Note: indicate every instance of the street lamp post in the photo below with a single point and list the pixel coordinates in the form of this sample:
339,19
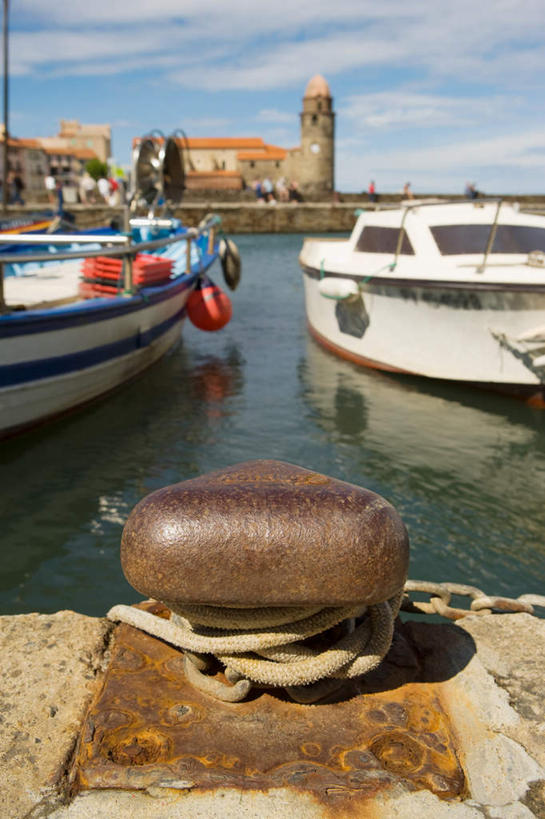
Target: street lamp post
6,99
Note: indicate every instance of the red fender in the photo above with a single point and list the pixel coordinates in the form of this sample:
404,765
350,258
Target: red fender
208,307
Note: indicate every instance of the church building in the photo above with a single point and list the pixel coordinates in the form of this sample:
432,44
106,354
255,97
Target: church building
232,163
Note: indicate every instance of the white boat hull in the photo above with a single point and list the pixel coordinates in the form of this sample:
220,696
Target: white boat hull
443,290
77,354
460,334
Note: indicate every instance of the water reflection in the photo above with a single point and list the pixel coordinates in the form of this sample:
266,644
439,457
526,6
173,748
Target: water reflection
465,469
68,488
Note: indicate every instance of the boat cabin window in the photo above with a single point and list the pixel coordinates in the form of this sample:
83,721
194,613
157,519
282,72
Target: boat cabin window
456,239
375,239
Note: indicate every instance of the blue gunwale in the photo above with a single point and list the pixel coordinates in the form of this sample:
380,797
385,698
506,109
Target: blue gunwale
94,310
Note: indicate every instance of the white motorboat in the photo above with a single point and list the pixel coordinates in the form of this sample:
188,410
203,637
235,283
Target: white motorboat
446,290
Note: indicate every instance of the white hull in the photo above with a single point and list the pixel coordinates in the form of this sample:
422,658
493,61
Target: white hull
85,360
416,330
461,316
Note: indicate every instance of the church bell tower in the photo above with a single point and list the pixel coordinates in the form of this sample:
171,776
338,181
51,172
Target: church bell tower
317,171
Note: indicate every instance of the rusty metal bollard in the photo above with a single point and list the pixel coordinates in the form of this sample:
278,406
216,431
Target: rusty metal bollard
257,558
270,577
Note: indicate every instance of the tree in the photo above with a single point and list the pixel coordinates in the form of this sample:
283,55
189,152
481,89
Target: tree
96,169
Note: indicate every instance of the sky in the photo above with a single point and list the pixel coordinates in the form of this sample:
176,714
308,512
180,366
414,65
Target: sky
431,92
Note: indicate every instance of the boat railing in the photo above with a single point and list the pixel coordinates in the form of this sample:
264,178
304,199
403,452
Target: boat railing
411,204
112,245
490,241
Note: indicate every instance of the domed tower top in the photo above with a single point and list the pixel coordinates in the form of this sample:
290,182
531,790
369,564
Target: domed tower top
316,165
317,87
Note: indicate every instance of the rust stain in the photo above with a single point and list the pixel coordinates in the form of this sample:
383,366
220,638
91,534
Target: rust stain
149,727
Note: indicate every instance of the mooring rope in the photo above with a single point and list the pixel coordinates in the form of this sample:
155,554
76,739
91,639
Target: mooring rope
265,646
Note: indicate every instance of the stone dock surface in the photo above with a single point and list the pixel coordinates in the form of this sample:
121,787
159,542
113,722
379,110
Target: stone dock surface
488,670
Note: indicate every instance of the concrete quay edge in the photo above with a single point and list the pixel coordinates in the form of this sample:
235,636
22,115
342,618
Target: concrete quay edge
53,664
245,216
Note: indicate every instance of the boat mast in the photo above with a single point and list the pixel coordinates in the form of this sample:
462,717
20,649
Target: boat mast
6,99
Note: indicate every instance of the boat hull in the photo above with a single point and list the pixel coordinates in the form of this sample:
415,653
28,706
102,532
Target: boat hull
460,333
56,360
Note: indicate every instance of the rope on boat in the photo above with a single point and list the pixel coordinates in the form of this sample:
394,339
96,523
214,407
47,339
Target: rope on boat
266,647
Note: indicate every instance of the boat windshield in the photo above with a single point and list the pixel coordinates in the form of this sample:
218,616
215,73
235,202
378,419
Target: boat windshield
459,239
375,239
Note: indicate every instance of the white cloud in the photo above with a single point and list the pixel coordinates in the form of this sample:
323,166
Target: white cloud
230,15
406,108
273,115
467,69
206,123
517,157
263,45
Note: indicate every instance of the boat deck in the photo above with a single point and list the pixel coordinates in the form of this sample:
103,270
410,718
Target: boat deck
46,287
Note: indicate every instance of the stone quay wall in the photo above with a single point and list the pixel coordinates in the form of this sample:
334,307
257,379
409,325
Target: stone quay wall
249,217
485,671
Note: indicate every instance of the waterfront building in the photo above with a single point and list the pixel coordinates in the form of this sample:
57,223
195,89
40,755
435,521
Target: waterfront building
315,160
74,136
63,156
233,163
28,161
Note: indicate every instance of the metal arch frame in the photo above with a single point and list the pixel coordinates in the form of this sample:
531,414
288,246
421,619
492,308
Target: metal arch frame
158,138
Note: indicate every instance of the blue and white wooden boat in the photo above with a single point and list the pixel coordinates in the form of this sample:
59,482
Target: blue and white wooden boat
62,346
62,351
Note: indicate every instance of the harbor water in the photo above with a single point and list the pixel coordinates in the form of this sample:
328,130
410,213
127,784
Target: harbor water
465,469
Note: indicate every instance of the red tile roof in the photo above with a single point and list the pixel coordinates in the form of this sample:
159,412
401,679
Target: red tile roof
225,142
196,174
83,153
267,152
208,143
78,153
29,143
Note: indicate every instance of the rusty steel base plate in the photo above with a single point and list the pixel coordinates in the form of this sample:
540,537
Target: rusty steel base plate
149,728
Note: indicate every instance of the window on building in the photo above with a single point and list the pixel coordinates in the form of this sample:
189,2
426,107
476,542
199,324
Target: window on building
319,105
375,239
223,165
457,239
252,164
314,119
277,164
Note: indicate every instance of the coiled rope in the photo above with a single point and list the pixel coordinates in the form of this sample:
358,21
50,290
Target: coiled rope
265,646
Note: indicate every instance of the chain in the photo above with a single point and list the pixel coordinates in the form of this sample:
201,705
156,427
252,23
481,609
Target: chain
481,603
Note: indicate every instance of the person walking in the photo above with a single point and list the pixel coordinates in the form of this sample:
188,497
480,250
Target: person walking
87,187
104,188
16,190
50,186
